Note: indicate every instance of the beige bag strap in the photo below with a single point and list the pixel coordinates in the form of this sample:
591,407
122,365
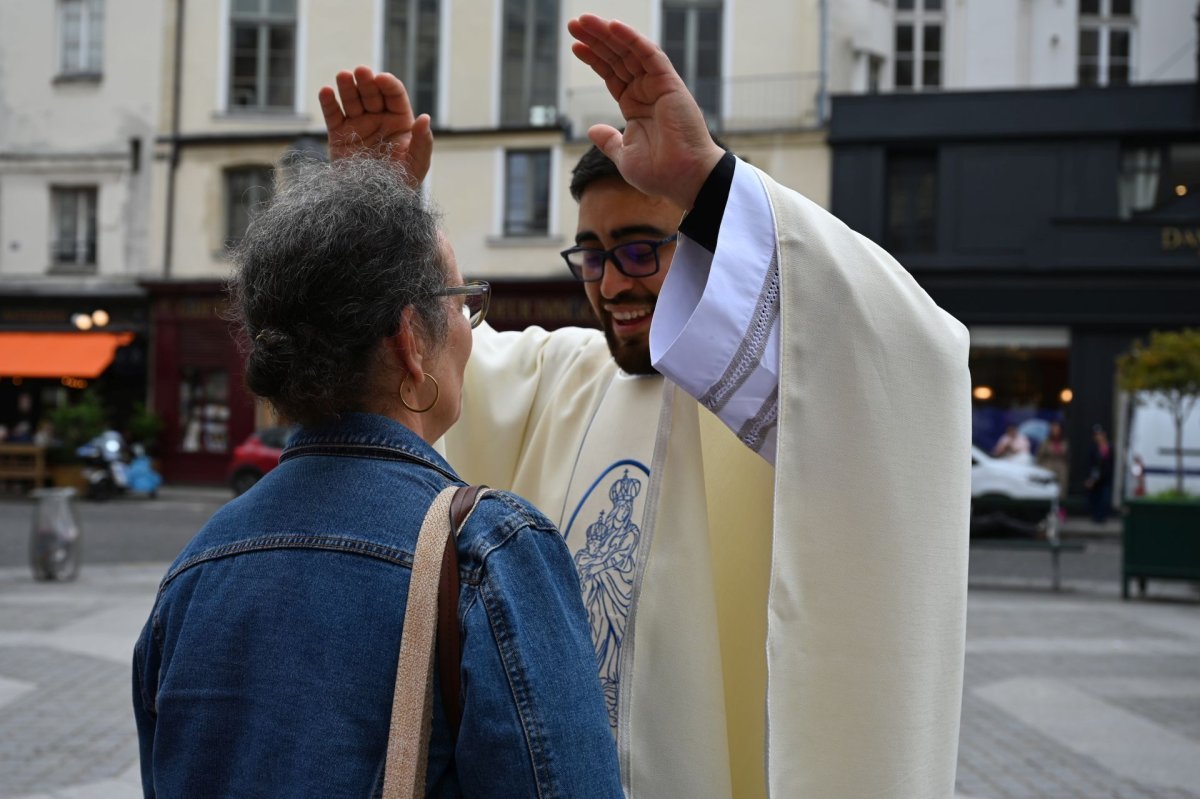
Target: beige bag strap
412,703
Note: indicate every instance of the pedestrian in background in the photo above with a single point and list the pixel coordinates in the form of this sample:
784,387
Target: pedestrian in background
1013,445
1054,454
1100,475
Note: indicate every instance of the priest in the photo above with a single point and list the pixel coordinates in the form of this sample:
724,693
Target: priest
759,464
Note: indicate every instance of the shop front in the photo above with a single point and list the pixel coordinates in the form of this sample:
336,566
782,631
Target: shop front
198,388
58,345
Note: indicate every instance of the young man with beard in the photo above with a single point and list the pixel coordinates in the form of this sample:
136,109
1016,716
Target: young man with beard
771,547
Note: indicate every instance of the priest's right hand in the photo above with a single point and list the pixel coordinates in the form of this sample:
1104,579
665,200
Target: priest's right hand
375,115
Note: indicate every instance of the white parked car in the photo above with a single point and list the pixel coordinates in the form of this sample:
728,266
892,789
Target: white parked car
1002,478
1012,497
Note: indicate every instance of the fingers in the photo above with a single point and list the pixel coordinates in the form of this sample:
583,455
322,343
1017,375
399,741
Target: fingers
600,45
420,148
627,52
348,89
368,90
330,108
637,49
394,97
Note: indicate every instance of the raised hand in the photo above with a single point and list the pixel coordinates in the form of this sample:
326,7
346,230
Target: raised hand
666,149
375,115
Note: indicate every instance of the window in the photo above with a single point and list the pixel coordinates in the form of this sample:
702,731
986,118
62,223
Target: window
74,225
529,63
1105,42
1138,186
81,37
1154,175
411,49
204,410
911,202
691,38
918,44
262,73
247,189
527,193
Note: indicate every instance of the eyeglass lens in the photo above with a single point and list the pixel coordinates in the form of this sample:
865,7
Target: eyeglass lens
474,306
635,259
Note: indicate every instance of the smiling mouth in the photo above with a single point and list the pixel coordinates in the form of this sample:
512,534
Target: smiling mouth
629,320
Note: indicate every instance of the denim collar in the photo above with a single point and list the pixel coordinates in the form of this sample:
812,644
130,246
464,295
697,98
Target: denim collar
366,434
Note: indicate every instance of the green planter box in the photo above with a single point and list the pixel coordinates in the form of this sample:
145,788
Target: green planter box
1161,541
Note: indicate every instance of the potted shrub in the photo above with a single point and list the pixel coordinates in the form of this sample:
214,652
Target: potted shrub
1162,532
144,428
75,424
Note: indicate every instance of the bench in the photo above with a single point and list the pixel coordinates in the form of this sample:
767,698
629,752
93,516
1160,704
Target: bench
1055,546
25,463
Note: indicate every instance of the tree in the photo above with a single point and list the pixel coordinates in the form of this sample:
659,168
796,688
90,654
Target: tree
1168,367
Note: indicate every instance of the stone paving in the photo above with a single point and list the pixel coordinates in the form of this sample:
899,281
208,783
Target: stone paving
1075,694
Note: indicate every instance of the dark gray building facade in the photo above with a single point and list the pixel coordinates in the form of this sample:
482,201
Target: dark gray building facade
1059,225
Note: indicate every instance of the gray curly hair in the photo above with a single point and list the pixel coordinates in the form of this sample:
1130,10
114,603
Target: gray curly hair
323,275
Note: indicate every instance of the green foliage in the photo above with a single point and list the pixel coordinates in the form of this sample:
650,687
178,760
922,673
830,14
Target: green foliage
144,426
1173,496
1168,367
78,423
1169,363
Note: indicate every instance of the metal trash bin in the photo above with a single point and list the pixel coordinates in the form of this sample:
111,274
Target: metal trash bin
54,541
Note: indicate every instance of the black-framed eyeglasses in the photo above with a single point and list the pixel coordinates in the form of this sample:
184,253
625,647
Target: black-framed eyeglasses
632,259
476,294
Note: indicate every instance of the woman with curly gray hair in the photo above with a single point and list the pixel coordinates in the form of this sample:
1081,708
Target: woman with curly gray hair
268,664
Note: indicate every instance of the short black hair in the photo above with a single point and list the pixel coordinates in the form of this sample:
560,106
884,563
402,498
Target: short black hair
595,165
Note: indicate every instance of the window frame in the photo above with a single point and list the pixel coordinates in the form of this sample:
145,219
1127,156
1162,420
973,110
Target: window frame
263,23
1105,24
518,114
91,39
86,239
691,46
902,242
405,65
232,204
919,18
509,227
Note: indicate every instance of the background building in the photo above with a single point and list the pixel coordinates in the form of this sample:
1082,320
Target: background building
510,108
1021,158
1035,166
78,111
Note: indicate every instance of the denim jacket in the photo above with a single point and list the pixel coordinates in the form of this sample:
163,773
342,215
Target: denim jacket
268,663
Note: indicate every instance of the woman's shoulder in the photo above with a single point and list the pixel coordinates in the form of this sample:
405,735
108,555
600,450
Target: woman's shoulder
497,520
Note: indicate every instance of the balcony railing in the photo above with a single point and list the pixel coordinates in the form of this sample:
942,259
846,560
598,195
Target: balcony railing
731,105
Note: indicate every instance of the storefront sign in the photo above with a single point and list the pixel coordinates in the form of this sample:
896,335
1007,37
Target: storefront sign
1180,238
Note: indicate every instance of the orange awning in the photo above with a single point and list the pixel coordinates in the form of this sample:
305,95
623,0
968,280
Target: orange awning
58,354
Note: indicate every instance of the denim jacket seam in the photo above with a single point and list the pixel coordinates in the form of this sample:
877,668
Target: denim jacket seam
516,520
520,692
274,541
383,451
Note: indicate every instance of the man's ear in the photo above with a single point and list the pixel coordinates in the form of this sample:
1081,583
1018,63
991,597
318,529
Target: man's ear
405,345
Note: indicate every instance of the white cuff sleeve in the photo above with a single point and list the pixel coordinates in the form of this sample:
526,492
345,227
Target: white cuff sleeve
716,325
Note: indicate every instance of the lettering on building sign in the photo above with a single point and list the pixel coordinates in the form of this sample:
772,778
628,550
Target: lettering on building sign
1179,238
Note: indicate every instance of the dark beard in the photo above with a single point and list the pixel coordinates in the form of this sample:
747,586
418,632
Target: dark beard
632,357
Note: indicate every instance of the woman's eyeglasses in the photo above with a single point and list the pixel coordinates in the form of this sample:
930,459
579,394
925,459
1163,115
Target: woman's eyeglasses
476,296
632,259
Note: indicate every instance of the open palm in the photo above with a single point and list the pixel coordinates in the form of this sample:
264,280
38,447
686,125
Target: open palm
666,149
376,115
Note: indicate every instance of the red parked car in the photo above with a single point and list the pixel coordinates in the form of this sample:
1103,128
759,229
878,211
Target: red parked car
256,456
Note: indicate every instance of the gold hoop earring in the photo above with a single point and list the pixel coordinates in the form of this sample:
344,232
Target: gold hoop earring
437,391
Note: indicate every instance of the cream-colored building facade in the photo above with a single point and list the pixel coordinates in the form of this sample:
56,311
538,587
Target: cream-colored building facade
78,114
501,169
